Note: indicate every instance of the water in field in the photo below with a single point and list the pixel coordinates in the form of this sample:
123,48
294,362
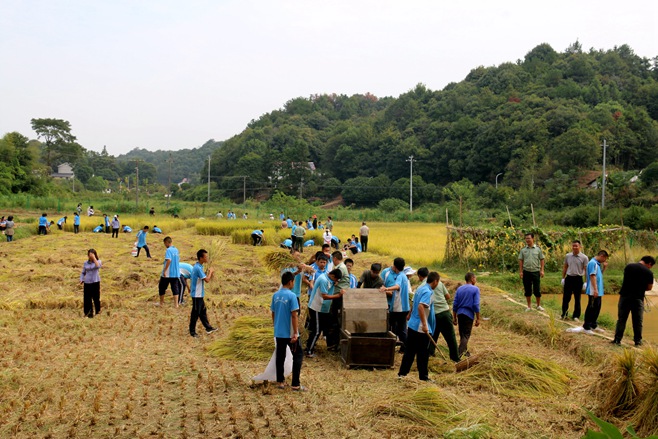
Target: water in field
609,305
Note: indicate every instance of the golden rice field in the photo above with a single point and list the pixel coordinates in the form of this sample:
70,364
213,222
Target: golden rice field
134,372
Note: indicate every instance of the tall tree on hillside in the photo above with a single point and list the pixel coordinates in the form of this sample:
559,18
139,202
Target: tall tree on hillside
57,138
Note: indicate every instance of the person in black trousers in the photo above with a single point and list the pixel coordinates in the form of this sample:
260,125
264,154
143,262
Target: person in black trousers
638,279
573,270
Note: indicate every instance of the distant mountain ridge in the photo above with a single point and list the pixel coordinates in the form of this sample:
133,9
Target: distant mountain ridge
185,163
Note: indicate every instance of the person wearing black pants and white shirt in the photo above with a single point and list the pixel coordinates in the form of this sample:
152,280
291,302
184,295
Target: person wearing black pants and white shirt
575,264
638,279
364,231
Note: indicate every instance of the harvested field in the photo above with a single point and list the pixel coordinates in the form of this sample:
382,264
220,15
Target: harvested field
134,372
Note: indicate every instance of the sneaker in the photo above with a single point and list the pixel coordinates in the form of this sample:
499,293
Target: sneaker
576,329
588,332
576,319
210,330
429,381
195,335
528,309
638,343
616,342
402,377
299,389
310,355
540,308
600,330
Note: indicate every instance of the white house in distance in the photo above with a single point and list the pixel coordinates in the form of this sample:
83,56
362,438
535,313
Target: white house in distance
64,171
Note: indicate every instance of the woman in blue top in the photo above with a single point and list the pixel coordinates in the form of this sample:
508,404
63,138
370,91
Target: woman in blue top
91,279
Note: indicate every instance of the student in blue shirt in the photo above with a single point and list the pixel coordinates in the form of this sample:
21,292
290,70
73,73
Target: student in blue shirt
285,310
197,291
170,272
319,307
420,329
290,223
157,229
185,275
141,242
595,268
297,273
282,216
257,237
309,243
396,287
466,310
76,222
61,221
287,243
44,227
106,219
98,229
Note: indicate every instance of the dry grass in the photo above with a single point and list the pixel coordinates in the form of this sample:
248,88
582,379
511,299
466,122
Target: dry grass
645,416
618,390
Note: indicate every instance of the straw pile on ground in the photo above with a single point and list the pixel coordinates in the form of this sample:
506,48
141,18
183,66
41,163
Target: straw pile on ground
427,406
517,375
618,389
249,339
645,416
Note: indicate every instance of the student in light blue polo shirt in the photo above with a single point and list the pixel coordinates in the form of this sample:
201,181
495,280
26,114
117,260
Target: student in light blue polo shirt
287,243
595,268
141,242
43,224
257,237
285,313
98,229
106,219
319,306
466,311
185,275
61,222
76,222
420,329
170,272
397,290
197,291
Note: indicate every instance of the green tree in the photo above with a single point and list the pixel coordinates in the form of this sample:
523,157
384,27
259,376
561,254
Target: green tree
57,138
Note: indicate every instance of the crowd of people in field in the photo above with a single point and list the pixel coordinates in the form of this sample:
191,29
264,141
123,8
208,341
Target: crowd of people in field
417,318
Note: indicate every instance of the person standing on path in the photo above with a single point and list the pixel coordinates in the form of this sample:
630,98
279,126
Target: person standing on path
91,279
638,279
466,311
531,270
106,220
396,287
364,231
170,272
595,268
575,264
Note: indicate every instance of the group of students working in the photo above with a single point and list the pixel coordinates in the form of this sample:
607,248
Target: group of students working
416,324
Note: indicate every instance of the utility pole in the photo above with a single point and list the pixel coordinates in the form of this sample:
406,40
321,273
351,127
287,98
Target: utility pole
208,178
411,161
169,185
498,175
137,186
605,146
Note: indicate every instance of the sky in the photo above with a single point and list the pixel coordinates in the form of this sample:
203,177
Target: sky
168,74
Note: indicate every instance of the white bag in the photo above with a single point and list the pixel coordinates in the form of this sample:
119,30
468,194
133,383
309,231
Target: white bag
270,371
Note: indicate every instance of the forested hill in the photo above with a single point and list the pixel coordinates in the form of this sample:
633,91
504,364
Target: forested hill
545,114
185,163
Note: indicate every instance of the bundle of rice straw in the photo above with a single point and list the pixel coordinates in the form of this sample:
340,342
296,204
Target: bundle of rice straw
645,417
250,338
280,259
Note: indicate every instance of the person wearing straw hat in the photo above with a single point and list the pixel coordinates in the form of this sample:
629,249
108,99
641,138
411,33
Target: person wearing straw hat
419,330
638,279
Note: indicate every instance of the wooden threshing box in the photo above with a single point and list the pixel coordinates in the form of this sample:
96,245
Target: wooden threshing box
364,339
364,310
